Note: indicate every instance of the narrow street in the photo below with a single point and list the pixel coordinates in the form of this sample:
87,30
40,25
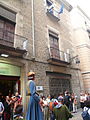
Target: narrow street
44,58
77,116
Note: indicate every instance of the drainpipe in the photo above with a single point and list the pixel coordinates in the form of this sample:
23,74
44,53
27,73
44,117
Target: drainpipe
33,31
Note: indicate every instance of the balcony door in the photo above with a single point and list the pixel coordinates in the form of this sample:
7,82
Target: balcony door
7,32
54,46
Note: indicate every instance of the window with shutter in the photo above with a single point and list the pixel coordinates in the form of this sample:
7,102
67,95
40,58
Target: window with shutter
7,32
1,29
54,45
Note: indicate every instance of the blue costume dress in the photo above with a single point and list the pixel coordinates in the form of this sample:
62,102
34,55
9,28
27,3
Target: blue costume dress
34,110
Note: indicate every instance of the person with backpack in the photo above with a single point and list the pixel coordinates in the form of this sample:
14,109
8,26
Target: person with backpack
86,111
53,102
67,99
61,112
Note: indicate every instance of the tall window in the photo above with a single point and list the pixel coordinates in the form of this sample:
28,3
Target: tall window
7,32
54,45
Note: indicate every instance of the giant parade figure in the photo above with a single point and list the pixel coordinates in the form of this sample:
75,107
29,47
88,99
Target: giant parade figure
34,111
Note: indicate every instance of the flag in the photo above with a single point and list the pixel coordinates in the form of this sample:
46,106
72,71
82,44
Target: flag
61,9
51,10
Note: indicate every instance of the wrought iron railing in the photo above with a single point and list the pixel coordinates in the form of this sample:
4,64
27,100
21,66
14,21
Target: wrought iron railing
13,40
59,55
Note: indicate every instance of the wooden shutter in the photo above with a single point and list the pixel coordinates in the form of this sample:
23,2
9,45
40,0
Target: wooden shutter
7,13
1,29
54,46
9,32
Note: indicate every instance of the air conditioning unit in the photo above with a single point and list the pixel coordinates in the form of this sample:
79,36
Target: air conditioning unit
39,88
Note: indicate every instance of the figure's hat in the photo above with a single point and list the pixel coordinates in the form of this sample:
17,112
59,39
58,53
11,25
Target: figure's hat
31,73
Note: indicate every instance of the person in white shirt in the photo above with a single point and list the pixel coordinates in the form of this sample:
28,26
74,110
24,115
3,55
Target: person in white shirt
86,110
82,100
1,109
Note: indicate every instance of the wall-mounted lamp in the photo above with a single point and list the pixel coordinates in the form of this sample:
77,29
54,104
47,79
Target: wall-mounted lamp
77,61
4,55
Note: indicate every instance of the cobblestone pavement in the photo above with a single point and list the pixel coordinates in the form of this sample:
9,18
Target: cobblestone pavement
77,116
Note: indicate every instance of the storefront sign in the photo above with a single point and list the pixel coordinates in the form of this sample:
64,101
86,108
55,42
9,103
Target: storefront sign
10,70
39,88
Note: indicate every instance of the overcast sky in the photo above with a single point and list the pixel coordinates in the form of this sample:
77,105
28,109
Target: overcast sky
84,4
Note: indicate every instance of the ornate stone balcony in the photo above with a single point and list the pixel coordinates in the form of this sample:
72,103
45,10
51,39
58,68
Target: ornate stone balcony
12,44
58,57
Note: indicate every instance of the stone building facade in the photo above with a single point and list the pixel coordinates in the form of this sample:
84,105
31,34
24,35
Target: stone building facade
37,37
81,32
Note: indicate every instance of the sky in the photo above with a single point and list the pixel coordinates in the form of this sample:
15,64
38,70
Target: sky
84,4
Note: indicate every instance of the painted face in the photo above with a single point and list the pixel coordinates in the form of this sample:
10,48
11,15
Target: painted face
31,77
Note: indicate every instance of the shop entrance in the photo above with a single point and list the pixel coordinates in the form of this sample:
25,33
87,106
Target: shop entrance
9,85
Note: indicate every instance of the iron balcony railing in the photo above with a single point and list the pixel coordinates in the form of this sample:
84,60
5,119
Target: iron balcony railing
59,55
12,40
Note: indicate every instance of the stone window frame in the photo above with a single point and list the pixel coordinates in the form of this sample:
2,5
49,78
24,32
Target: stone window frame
10,8
8,17
49,28
7,6
14,10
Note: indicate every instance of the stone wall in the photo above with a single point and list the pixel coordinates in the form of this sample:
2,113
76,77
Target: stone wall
42,23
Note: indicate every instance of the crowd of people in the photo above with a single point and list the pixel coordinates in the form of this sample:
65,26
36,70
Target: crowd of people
83,98
53,108
60,107
10,106
51,104
41,107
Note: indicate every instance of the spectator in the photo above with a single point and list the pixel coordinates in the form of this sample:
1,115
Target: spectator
1,109
17,100
48,99
71,102
75,104
7,108
61,112
52,103
45,108
86,111
67,99
82,99
88,97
